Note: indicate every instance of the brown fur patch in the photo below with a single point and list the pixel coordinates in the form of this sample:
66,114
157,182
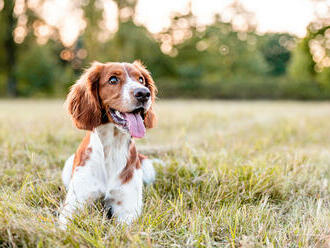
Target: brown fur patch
82,153
115,131
82,101
142,157
132,163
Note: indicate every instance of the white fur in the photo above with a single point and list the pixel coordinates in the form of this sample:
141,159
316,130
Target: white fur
67,170
159,161
149,173
129,196
100,177
129,86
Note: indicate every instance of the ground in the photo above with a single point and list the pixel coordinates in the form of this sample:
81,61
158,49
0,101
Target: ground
236,174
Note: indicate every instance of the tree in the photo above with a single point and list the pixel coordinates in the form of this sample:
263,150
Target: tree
312,55
130,42
275,50
9,21
15,38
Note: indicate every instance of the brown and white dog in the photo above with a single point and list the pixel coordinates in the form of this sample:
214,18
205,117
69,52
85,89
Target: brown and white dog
113,101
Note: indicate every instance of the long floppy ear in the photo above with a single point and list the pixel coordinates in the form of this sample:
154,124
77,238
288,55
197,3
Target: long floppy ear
83,99
150,119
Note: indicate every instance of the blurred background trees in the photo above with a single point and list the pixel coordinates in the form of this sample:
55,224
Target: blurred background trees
218,60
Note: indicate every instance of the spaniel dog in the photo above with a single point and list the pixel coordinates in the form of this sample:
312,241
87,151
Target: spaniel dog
114,103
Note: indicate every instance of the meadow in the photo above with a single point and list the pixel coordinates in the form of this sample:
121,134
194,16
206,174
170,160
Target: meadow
234,174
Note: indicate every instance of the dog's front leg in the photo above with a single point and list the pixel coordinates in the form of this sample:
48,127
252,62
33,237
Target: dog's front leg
82,189
125,201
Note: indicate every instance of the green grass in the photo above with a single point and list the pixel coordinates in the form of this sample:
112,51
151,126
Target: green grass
238,174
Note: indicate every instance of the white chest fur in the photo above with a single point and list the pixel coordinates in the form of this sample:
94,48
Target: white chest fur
114,147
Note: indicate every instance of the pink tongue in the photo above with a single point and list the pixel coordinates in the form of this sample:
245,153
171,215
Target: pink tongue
135,125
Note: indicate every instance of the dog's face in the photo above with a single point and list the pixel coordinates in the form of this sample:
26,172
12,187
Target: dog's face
121,93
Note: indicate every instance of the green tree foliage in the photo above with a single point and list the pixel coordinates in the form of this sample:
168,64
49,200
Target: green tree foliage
276,53
8,23
302,64
311,60
40,73
90,42
218,60
213,61
27,68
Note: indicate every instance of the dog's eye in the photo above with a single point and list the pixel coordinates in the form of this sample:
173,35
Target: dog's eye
141,80
113,80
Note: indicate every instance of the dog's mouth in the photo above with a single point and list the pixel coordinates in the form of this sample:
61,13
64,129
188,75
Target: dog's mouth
132,121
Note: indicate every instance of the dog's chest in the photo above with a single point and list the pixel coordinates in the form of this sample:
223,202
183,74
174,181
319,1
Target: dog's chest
115,149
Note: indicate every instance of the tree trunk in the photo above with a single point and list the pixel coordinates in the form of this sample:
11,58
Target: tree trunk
11,47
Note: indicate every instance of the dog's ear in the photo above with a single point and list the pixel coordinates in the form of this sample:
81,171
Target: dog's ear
83,99
150,119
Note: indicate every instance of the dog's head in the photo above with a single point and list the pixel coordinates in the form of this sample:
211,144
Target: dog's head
121,93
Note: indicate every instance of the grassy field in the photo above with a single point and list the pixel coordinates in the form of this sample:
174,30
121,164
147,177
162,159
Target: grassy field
237,174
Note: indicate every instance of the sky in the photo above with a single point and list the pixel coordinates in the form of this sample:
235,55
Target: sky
271,15
291,16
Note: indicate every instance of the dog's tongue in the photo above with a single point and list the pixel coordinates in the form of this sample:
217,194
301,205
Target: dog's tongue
135,125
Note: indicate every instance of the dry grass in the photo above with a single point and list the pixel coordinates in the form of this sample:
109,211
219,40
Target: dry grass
238,174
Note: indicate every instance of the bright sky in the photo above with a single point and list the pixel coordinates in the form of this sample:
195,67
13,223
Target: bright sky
271,15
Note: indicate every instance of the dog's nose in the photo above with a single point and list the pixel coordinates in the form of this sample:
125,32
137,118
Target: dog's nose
142,94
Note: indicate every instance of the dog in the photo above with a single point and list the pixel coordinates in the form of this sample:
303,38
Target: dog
114,103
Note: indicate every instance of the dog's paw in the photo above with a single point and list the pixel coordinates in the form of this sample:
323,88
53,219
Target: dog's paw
126,218
62,222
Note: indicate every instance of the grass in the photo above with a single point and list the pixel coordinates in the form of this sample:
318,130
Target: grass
237,174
